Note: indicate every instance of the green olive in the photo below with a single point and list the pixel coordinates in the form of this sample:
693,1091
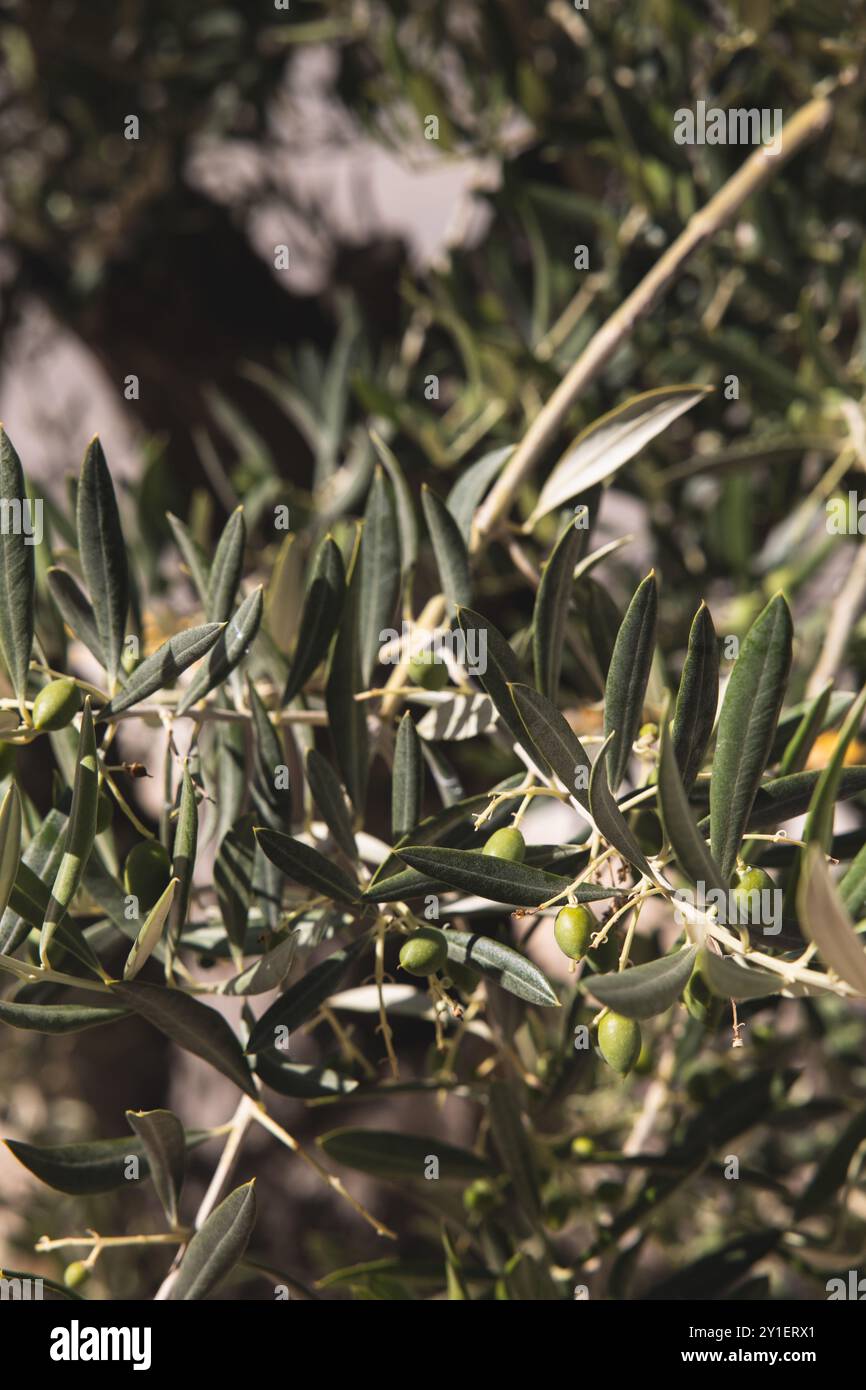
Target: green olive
147,872
583,1146
56,705
425,952
76,1274
480,1197
745,908
428,671
619,1042
506,843
462,977
572,929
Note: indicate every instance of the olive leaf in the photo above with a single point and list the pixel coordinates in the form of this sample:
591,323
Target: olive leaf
233,878
513,1146
10,843
192,1025
648,989
457,717
552,735
80,833
407,784
303,998
609,818
502,965
467,493
57,1018
268,972
161,669
323,603
782,798
380,571
306,865
194,557
103,555
449,548
347,717
500,880
627,678
301,1081
550,613
183,857
228,651
819,820
30,894
407,525
832,1171
217,1246
17,574
730,979
75,610
150,933
697,697
83,1169
747,725
688,843
387,1154
226,568
609,442
330,798
497,669
801,742
826,923
164,1141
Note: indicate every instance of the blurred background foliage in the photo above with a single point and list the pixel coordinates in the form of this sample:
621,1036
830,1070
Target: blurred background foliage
157,254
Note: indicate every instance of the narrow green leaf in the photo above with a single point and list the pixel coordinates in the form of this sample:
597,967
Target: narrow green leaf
802,740
194,557
183,857
730,980
457,717
609,442
217,1247
150,933
226,569
161,669
10,843
304,998
164,1140
782,798
103,554
84,1169
832,1170
17,573
609,818
407,782
645,990
551,733
330,798
269,756
497,668
466,495
380,571
628,676
191,1024
697,697
824,920
228,650
852,888
449,548
406,522
233,879
269,972
819,821
306,865
552,602
711,1276
502,965
56,1018
747,725
347,716
499,880
80,832
388,1154
513,1146
323,604
680,829
301,1081
31,894
75,610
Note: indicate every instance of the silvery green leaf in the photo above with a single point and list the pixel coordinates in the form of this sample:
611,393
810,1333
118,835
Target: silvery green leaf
161,669
645,990
75,610
323,604
550,613
627,678
697,697
192,1025
103,554
502,965
467,493
228,651
150,933
164,1140
407,782
194,556
217,1247
380,571
457,717
226,568
17,572
605,445
449,548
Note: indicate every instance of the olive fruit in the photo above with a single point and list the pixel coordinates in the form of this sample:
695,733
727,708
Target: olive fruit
146,872
582,1146
428,671
745,907
425,952
462,977
480,1197
573,929
506,843
619,1042
56,705
76,1274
